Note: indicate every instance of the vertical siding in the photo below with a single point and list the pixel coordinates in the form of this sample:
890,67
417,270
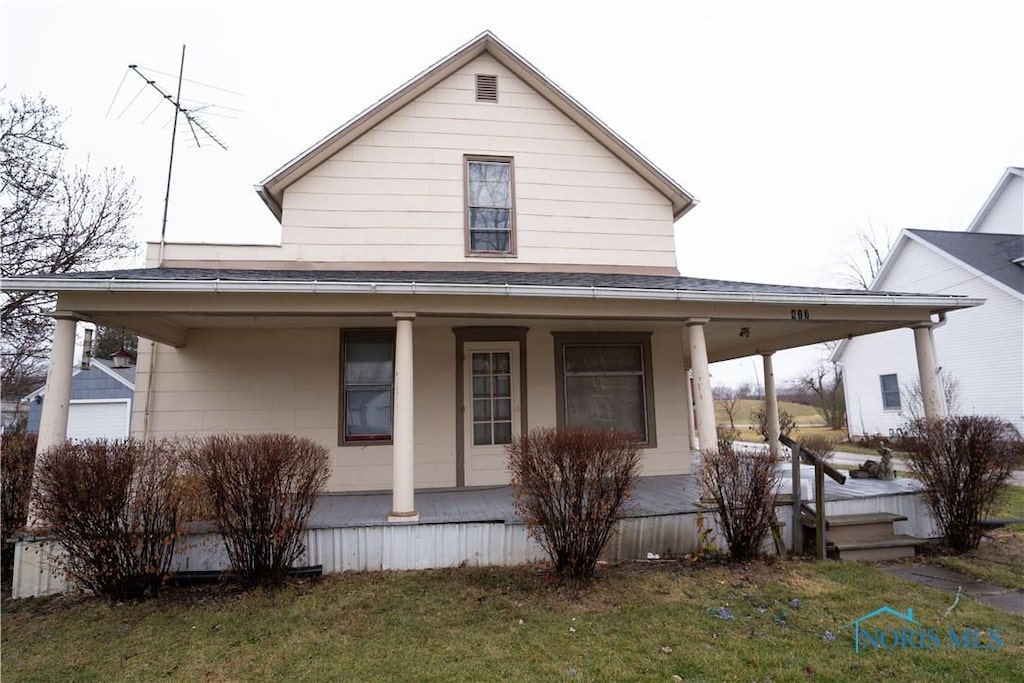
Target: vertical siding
396,194
982,347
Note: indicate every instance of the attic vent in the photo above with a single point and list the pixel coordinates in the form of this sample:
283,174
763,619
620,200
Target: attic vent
486,88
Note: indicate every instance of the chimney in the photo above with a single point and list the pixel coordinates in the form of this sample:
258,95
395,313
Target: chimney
87,349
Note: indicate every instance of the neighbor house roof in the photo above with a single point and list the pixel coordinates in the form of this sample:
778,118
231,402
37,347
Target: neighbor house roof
998,257
587,285
125,376
271,190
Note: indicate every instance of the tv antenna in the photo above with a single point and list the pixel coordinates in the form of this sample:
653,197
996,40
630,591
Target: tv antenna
199,129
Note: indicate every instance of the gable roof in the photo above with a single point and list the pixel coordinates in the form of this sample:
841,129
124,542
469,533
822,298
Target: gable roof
993,256
125,376
271,190
996,258
1008,175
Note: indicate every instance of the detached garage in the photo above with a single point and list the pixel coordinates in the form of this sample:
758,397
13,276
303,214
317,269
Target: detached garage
101,402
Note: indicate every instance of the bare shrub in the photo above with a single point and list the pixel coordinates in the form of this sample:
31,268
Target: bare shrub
964,461
112,506
569,487
18,459
759,419
263,487
742,487
822,446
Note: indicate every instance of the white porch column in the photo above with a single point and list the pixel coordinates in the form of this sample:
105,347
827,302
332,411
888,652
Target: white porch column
771,405
53,420
931,392
402,468
706,433
691,426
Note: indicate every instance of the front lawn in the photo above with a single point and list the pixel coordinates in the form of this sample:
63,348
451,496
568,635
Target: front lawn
637,622
1000,557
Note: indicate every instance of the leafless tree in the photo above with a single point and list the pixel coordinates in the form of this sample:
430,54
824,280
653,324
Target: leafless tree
54,220
912,402
859,267
825,382
729,399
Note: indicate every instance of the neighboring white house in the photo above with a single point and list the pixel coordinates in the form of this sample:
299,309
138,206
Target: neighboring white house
979,352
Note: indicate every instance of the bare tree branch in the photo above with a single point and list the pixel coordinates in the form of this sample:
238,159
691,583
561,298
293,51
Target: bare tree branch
53,220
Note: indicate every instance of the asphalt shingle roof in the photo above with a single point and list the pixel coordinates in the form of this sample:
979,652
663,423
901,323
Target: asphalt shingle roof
992,254
603,280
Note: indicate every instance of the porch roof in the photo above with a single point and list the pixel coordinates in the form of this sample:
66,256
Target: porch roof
742,318
584,285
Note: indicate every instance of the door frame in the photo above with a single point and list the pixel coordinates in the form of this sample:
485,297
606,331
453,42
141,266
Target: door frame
464,335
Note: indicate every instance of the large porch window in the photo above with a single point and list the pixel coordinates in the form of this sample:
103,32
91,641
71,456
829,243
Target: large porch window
604,381
368,372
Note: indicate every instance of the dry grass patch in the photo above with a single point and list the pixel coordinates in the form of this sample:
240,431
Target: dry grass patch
636,622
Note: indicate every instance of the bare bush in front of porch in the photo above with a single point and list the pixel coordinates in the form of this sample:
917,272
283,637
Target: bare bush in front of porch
18,460
262,487
742,487
569,487
113,507
964,462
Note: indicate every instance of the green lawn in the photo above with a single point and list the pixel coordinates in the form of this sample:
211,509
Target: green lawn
637,622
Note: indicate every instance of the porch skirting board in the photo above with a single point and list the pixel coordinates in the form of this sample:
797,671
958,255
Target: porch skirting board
473,543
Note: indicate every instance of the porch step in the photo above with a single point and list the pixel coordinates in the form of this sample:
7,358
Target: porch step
891,547
860,527
856,528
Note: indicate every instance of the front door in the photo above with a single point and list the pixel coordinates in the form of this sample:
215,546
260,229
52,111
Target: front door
491,406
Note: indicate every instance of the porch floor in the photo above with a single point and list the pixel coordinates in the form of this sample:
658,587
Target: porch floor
653,497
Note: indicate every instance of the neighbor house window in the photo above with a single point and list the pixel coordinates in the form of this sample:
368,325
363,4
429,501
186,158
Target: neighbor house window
605,382
489,207
890,392
368,372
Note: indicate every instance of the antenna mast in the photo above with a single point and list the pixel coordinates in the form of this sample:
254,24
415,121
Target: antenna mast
193,123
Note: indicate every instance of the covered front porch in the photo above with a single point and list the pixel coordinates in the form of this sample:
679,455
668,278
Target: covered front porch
248,351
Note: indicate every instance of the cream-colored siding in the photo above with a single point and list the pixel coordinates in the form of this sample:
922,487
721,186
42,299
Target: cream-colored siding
286,380
397,193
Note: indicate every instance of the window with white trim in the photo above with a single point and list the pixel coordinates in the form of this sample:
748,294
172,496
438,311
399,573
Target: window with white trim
890,391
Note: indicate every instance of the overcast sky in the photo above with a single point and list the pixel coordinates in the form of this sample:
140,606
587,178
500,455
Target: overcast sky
794,123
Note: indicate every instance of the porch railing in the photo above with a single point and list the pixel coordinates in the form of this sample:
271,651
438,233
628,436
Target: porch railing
821,468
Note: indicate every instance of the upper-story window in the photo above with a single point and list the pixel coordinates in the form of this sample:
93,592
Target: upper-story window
490,212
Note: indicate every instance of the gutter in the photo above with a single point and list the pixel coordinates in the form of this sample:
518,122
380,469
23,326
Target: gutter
469,289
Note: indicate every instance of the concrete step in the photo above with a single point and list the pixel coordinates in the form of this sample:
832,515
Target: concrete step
859,527
892,547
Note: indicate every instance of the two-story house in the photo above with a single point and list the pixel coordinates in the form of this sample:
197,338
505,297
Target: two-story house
473,256
980,352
